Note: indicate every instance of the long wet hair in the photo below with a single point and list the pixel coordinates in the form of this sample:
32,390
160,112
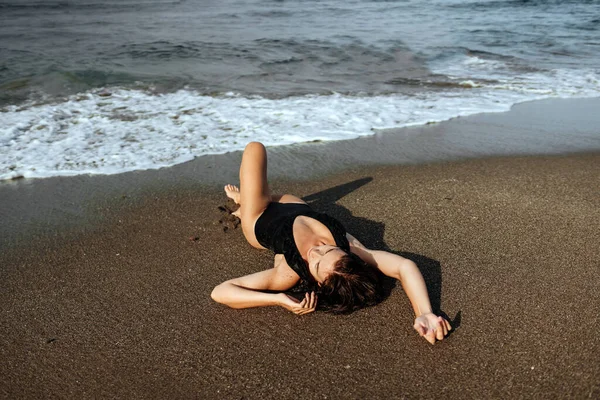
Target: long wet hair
353,284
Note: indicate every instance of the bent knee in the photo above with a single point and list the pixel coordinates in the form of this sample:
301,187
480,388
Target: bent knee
254,146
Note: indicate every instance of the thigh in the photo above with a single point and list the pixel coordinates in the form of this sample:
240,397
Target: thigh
254,188
287,198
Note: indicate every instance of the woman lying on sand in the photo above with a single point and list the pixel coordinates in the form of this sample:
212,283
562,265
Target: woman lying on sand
315,248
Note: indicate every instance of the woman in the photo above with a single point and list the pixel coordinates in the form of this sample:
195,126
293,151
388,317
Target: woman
314,248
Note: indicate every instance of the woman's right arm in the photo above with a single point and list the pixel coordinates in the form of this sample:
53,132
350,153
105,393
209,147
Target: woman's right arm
251,290
429,325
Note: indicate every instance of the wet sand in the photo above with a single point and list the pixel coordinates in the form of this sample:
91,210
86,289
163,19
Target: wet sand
108,294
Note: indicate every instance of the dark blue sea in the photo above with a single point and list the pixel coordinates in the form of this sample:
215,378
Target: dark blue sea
91,86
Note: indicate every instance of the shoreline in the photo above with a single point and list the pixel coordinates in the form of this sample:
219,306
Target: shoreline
427,143
33,207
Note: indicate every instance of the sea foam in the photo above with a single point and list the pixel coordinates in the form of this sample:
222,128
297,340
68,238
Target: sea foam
116,129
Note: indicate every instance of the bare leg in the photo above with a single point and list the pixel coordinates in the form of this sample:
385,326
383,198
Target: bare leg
287,198
254,194
233,192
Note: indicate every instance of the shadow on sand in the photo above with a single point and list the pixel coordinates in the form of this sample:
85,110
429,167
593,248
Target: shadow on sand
371,234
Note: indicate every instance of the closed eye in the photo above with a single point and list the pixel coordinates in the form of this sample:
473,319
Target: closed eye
317,267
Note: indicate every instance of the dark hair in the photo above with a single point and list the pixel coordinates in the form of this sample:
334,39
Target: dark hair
353,284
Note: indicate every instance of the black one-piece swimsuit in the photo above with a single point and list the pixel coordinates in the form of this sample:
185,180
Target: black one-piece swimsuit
274,231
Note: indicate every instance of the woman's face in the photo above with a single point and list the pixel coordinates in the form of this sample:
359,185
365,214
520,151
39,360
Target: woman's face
322,260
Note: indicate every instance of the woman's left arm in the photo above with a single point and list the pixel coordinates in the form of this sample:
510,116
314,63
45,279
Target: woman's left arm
427,324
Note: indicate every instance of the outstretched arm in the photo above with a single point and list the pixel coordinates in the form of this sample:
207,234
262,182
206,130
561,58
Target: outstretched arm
254,290
406,271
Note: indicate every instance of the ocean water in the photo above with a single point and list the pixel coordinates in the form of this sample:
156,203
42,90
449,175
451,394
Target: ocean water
102,87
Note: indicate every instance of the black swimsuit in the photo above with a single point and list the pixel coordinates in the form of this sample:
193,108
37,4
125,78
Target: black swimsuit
274,231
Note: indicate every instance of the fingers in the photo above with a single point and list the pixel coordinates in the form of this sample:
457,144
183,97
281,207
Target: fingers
448,326
307,305
432,327
425,332
445,325
303,302
313,300
430,336
421,330
440,329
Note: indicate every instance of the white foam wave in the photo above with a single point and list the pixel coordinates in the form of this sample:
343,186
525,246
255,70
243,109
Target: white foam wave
93,133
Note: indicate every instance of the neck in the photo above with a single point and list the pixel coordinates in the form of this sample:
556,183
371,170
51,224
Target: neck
305,238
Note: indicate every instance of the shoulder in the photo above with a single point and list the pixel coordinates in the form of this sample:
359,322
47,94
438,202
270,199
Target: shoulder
354,243
360,250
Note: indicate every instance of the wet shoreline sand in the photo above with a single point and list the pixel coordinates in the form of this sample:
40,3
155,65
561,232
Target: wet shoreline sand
106,280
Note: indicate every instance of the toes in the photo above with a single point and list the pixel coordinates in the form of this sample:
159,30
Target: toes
231,188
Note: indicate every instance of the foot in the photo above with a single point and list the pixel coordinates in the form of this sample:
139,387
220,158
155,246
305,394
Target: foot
233,193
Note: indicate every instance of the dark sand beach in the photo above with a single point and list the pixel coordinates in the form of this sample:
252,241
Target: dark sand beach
105,281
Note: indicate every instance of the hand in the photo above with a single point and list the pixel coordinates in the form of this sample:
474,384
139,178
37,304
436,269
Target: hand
432,327
307,305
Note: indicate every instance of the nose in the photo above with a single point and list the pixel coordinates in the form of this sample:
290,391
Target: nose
317,252
324,249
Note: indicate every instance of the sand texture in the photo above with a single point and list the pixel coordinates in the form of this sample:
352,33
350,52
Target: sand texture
509,247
